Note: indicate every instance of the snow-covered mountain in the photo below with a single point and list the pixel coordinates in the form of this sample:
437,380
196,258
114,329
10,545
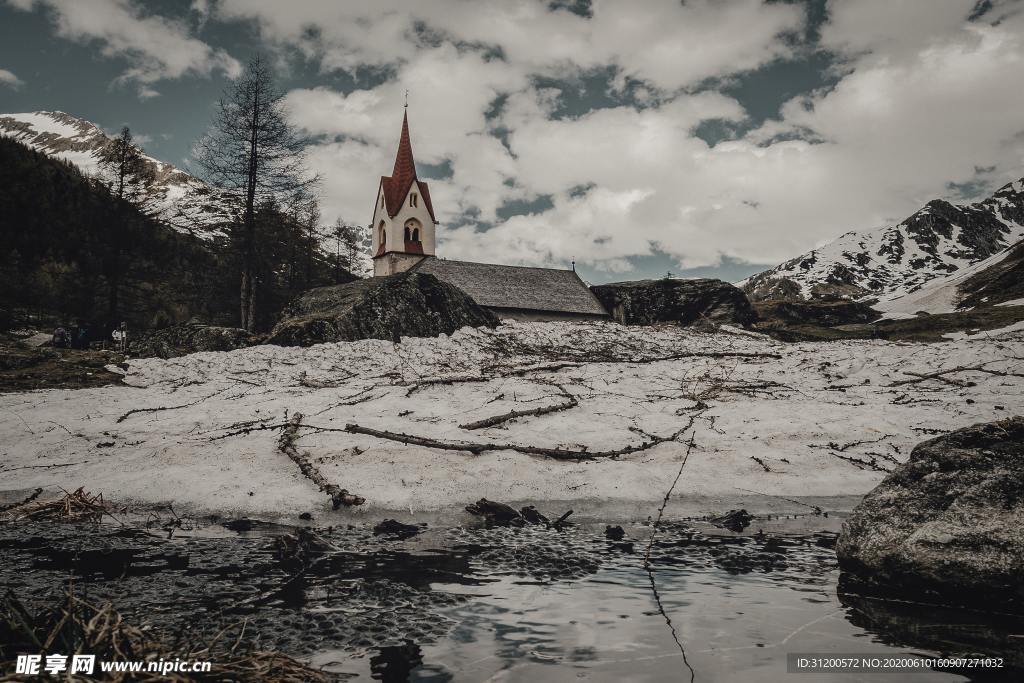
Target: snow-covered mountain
938,242
186,203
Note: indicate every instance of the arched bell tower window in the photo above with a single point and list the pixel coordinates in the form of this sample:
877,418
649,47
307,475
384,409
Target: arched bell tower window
414,200
382,234
413,231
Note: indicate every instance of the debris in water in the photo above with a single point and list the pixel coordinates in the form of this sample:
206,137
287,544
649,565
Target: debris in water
733,520
77,506
396,529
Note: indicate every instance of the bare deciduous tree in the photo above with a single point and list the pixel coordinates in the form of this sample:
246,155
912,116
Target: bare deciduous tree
255,152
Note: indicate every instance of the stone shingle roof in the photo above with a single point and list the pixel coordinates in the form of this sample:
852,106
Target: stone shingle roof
517,287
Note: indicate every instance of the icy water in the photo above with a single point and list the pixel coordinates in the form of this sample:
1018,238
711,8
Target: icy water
528,604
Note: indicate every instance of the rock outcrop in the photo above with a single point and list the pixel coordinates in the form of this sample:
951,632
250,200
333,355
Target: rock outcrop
948,525
823,313
180,340
644,302
403,305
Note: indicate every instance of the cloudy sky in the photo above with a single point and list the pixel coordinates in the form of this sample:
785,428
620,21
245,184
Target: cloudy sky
699,137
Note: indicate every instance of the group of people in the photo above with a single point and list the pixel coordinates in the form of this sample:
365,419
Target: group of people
80,336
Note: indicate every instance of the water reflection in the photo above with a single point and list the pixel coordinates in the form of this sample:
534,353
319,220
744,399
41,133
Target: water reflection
525,604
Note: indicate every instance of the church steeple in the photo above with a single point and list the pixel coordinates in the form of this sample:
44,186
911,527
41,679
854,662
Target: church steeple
403,217
405,165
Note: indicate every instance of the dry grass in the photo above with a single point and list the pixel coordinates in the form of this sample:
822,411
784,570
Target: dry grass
77,506
76,626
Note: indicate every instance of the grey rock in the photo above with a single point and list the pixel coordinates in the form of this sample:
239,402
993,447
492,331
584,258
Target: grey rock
645,302
403,305
180,340
948,525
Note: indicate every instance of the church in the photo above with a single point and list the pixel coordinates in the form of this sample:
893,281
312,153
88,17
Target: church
404,239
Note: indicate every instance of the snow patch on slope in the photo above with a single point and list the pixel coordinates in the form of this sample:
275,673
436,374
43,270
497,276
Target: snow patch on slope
186,203
938,296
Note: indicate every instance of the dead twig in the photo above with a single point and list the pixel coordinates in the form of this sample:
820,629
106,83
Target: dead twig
77,506
135,411
647,558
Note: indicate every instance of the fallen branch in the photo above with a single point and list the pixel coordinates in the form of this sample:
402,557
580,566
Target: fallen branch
570,402
596,359
941,375
553,367
478,448
286,444
861,463
442,381
249,429
45,467
313,383
834,446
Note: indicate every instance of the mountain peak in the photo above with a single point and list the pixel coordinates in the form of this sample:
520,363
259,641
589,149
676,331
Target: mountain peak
189,205
890,262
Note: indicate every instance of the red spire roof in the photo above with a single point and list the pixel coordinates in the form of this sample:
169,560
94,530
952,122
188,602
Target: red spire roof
405,166
396,187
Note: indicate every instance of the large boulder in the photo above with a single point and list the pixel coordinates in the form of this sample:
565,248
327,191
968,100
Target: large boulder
403,305
948,525
644,302
191,337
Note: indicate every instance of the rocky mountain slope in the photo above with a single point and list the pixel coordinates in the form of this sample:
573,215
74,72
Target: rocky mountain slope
185,202
938,241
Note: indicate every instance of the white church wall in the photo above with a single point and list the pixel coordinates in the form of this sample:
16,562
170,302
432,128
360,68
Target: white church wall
420,213
394,230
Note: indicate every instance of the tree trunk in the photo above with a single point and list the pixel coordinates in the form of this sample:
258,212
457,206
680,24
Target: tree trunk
248,294
244,299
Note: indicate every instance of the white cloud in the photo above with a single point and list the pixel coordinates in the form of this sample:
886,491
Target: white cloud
890,28
925,99
666,42
10,80
159,48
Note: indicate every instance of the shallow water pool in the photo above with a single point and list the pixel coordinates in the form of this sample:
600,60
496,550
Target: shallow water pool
511,604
